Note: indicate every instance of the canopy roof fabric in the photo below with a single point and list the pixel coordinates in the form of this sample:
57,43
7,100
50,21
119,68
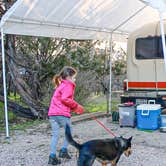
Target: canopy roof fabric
77,19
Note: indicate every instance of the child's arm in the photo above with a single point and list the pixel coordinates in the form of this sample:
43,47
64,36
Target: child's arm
66,97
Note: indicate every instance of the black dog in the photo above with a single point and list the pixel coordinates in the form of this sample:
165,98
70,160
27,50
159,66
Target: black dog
105,150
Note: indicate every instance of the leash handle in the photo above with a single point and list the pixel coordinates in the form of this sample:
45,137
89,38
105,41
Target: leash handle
101,124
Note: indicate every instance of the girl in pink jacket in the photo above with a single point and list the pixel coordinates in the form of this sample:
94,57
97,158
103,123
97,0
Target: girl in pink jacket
62,103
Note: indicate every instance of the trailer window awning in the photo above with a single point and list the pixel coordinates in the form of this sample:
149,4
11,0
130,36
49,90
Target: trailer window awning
78,19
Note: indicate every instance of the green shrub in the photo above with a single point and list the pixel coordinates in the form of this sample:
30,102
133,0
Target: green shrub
11,116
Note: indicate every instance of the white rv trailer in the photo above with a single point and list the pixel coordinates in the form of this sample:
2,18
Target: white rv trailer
146,75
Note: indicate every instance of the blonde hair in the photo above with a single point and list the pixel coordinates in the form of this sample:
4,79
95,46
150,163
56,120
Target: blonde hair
65,72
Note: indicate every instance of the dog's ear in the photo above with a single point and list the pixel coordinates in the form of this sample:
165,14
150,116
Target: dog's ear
129,139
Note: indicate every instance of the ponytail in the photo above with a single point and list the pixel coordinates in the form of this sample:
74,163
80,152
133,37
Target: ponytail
64,73
56,80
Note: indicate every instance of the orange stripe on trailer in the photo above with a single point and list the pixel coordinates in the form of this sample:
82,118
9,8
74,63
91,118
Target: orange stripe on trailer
161,84
150,85
142,85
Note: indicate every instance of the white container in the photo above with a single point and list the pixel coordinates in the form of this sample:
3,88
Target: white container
126,115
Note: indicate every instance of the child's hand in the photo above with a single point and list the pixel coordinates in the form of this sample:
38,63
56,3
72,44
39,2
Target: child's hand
79,109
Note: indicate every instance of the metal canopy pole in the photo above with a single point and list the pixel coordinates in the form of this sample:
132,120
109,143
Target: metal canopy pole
2,22
110,83
163,38
121,24
4,84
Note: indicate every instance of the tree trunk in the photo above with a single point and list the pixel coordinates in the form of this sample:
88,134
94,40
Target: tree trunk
19,110
23,89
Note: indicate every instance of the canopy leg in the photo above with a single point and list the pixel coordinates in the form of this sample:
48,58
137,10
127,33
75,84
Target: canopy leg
163,38
110,83
4,85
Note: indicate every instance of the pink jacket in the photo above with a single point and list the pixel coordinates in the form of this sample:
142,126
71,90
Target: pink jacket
62,101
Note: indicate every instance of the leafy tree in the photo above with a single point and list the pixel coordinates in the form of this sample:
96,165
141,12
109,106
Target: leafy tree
119,63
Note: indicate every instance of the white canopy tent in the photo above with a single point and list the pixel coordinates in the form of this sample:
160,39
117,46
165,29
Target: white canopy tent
78,19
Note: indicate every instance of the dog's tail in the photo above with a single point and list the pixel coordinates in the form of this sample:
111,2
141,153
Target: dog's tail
70,138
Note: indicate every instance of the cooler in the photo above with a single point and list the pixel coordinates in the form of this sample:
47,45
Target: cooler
126,115
148,116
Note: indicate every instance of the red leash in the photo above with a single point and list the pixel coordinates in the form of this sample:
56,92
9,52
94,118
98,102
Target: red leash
101,124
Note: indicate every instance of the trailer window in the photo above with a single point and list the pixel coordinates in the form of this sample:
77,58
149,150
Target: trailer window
149,48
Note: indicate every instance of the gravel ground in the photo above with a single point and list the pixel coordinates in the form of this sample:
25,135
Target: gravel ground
31,147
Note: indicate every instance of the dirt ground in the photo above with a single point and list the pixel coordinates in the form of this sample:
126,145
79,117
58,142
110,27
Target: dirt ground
31,147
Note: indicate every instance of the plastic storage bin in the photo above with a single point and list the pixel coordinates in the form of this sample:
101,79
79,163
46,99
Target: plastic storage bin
126,115
148,116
